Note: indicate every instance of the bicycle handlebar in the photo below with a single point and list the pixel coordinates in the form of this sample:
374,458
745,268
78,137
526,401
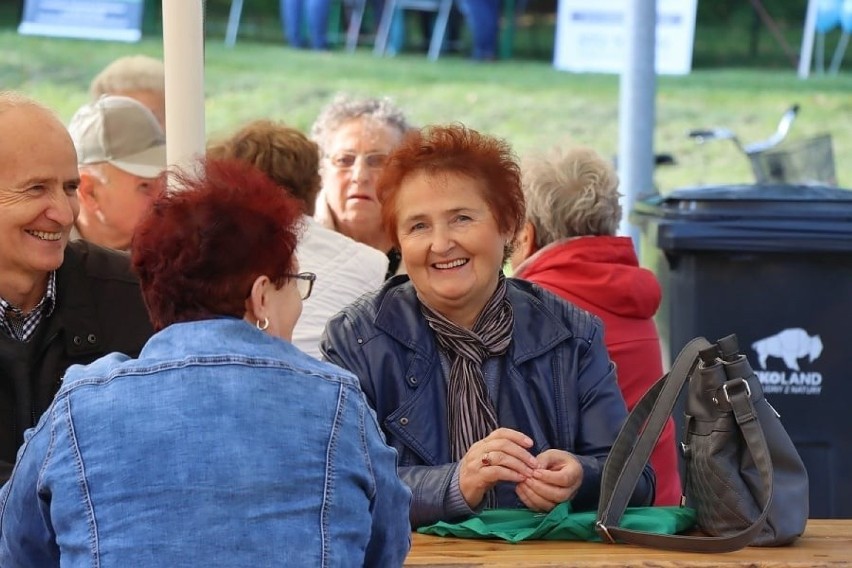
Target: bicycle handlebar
806,161
702,135
780,133
705,134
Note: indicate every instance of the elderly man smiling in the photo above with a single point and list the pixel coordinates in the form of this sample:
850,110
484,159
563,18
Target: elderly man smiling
60,303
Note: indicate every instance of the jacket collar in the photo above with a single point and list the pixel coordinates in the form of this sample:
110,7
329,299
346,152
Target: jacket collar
204,337
76,311
399,316
599,273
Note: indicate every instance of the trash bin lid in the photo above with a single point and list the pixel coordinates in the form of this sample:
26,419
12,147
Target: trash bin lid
768,217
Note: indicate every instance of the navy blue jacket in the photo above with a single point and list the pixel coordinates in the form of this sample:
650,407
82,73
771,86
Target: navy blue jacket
558,386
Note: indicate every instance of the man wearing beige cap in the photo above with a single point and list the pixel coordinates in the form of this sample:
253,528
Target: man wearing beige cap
121,154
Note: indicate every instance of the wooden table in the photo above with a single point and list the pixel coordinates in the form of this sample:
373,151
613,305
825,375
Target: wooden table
825,543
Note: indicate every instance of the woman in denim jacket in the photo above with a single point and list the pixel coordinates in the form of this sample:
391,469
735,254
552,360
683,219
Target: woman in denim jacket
222,444
494,392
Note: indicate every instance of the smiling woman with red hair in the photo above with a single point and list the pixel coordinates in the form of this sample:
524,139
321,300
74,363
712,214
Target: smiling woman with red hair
222,444
494,392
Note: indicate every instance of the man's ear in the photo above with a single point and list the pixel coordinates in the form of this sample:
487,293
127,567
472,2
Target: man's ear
87,193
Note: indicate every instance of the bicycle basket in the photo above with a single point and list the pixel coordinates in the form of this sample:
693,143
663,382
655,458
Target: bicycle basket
808,161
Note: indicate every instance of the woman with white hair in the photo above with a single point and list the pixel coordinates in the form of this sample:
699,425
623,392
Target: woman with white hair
355,137
568,246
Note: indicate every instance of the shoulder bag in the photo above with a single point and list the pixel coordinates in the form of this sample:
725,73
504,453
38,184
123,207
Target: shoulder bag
744,477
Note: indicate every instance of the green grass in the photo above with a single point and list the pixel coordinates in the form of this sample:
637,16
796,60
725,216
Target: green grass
527,102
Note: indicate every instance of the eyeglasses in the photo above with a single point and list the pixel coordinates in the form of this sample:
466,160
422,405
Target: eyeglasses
304,283
346,160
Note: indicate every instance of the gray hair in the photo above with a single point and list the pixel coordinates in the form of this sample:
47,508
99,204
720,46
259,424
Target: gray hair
570,193
129,73
345,108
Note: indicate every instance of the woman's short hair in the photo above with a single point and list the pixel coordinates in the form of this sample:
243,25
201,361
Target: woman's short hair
129,73
571,193
284,154
200,248
345,108
461,150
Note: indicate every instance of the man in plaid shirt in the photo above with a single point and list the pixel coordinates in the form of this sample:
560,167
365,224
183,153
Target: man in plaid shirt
60,303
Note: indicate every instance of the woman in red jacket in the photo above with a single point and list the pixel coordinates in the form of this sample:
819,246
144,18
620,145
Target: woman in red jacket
568,246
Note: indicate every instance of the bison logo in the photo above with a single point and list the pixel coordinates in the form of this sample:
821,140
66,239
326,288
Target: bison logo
789,345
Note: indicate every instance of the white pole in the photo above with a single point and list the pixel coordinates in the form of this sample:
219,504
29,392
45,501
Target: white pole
637,90
807,51
183,57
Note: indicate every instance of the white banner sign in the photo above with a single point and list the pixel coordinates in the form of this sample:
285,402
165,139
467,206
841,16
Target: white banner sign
119,20
590,36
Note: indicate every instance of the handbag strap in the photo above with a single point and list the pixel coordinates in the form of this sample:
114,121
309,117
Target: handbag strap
633,446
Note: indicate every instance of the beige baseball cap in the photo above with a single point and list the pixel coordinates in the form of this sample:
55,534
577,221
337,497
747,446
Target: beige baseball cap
120,131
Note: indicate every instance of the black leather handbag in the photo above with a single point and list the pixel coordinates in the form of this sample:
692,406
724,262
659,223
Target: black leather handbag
744,477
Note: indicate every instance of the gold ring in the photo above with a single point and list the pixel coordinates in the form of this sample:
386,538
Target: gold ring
486,461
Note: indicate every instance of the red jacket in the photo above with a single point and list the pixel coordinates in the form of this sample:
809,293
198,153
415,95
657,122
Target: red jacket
602,275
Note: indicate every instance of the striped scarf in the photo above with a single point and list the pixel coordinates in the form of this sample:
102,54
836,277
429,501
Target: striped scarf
471,415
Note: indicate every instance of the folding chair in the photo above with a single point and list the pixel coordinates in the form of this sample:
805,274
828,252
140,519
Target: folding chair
355,19
234,15
440,7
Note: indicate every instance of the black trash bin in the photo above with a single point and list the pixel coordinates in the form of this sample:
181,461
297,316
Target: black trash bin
773,264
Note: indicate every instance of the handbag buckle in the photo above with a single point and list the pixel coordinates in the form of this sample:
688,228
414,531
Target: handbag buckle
737,381
604,532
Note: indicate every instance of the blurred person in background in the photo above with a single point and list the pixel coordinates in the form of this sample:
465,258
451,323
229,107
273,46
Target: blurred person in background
139,77
495,392
345,268
313,14
221,444
483,19
355,137
121,155
61,303
568,245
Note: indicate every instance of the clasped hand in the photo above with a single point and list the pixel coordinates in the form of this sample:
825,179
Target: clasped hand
542,481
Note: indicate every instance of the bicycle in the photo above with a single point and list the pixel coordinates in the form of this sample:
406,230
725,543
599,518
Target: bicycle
809,161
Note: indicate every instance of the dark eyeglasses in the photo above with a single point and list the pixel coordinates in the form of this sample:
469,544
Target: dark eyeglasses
304,283
346,160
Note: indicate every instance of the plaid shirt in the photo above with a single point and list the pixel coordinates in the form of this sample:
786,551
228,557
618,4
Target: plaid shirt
21,326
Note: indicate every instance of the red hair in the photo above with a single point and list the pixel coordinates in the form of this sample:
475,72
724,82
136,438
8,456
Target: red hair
457,149
200,248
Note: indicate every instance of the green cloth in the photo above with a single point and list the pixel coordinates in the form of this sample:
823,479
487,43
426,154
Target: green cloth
515,525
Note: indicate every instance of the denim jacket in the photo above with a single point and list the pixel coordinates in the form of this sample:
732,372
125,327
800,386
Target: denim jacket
557,385
219,446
